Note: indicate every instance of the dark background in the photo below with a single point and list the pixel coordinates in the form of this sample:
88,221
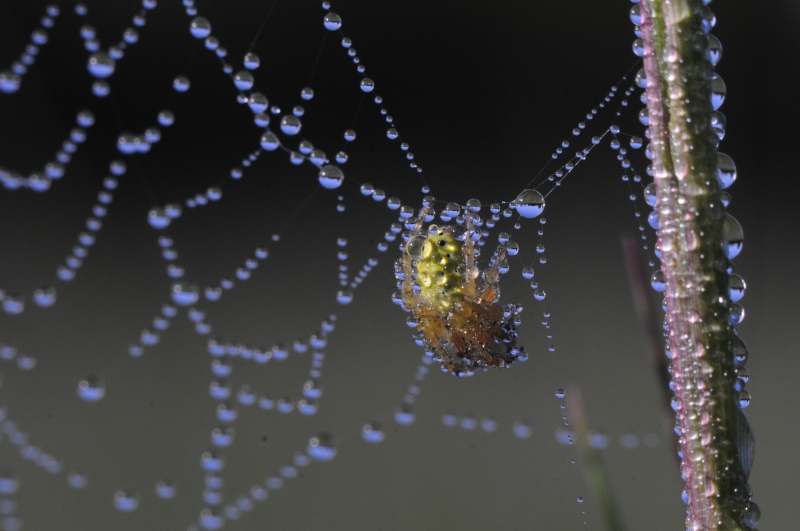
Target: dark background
483,92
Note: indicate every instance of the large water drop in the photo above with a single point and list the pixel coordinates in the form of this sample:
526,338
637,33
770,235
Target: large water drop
332,21
331,177
100,65
529,204
200,27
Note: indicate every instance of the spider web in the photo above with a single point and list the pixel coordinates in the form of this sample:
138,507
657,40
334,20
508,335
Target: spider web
294,223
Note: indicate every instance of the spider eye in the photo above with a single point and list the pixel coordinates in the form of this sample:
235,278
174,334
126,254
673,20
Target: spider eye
442,243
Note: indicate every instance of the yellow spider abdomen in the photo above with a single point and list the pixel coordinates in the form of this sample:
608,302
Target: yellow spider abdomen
438,273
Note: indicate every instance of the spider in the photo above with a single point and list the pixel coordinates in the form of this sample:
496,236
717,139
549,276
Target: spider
453,304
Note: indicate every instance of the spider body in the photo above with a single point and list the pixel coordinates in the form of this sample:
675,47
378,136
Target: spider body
454,305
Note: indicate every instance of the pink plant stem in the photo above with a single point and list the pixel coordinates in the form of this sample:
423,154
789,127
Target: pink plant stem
694,262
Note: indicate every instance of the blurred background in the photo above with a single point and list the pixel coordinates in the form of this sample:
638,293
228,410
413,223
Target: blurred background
483,92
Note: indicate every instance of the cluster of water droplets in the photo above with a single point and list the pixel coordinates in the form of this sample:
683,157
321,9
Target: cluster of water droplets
11,79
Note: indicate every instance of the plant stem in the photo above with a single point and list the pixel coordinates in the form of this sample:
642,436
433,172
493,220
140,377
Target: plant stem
592,467
694,262
653,329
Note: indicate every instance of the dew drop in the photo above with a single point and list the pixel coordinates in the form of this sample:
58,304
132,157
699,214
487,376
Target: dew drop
344,296
251,61
752,514
322,446
290,124
529,204
714,50
522,430
100,65
158,218
638,47
726,170
165,490
45,296
91,389
718,91
657,281
181,84
243,80
733,236
332,21
185,294
126,500
331,177
367,85
200,28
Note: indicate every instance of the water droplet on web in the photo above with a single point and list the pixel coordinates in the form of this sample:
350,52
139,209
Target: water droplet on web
91,389
331,177
290,124
100,65
200,28
539,295
269,142
46,296
76,480
560,393
13,304
9,82
181,84
367,85
332,21
522,430
165,489
322,446
344,296
126,500
251,61
529,204
736,287
404,415
243,80
185,294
